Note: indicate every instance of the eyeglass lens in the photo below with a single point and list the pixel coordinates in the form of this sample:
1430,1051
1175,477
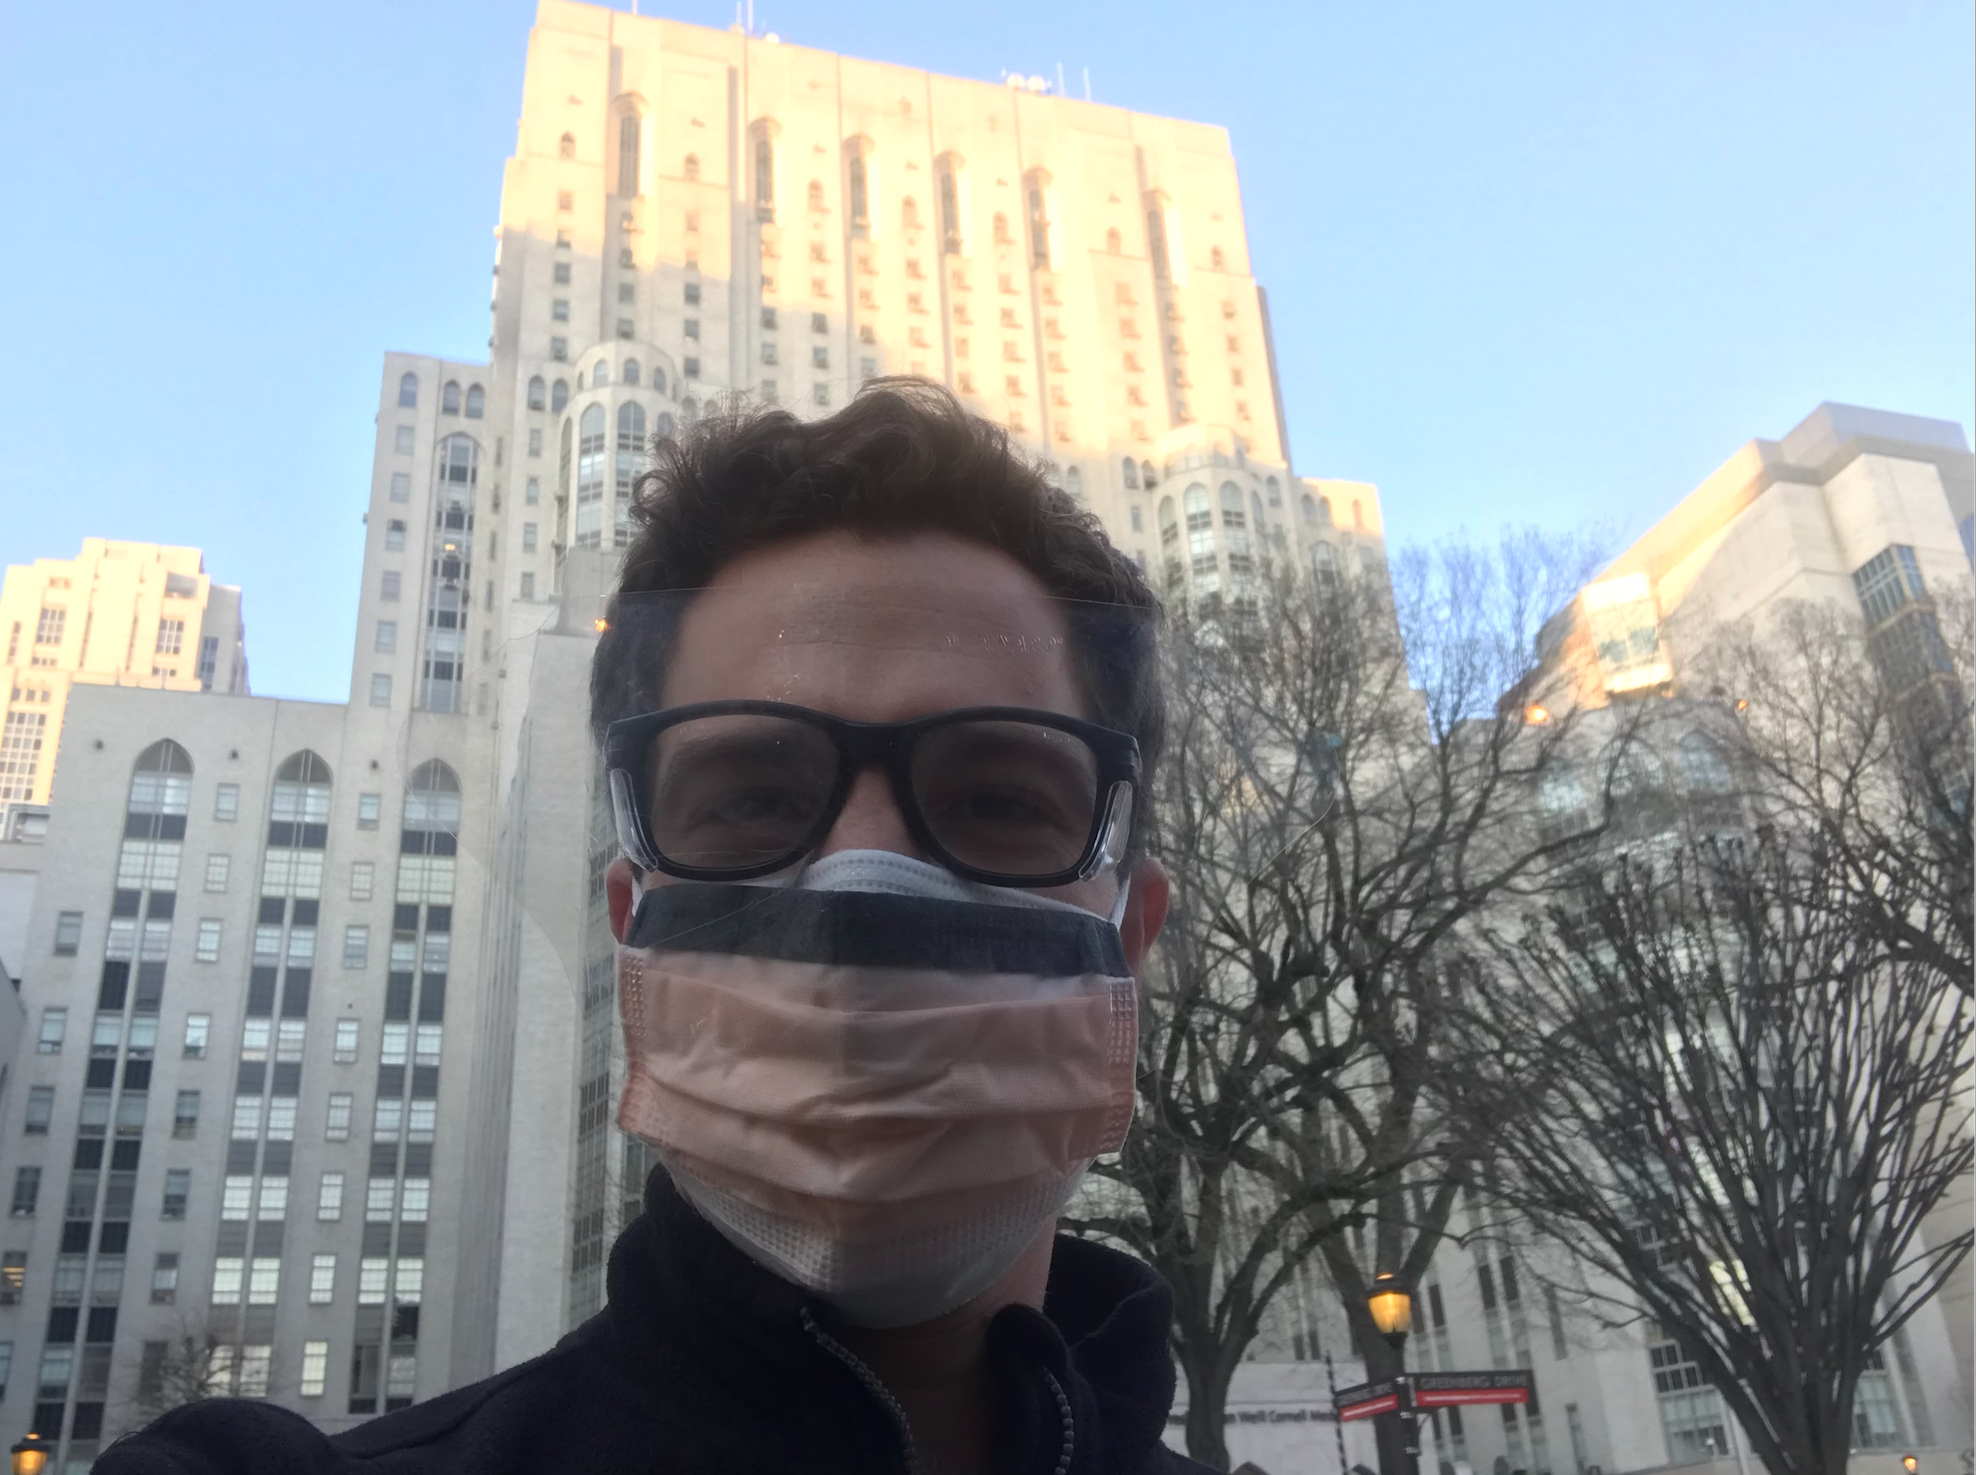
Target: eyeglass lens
744,790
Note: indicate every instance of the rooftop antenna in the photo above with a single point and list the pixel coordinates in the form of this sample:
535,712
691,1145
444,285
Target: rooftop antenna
751,17
1087,76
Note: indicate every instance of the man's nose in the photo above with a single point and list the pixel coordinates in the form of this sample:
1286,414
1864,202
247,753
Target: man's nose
870,821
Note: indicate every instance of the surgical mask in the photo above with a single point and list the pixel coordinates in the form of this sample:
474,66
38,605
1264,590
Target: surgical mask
879,1080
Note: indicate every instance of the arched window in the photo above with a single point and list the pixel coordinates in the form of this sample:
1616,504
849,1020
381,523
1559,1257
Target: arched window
631,372
764,175
1308,506
1216,259
1324,511
1001,229
909,213
1114,243
950,206
1232,513
1073,482
659,378
1146,475
442,668
600,375
1324,563
161,781
538,393
559,395
1275,492
1039,219
566,148
432,811
816,195
476,402
860,192
662,425
628,155
1637,770
689,409
449,398
298,816
1255,510
1200,528
563,459
630,460
691,168
1156,240
1234,527
1131,474
1704,767
590,453
1559,789
408,392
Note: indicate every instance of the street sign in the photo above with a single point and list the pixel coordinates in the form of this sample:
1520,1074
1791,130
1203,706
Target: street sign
1367,1400
1439,1390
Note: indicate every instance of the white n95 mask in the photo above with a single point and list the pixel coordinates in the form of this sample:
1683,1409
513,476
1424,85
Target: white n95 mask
882,1081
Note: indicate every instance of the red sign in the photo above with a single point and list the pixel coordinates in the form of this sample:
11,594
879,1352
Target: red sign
1439,1390
1366,1400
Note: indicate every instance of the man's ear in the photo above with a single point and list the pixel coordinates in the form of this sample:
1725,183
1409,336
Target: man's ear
1145,911
617,891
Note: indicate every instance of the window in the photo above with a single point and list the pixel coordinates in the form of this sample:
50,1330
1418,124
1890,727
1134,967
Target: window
403,440
1039,220
40,1111
388,585
768,353
346,1041
263,1279
171,637
408,392
329,1197
274,1198
315,1369
527,590
380,692
538,390
54,1027
13,1275
559,349
416,1201
764,175
394,536
207,948
559,309
197,1028
178,1188
379,1199
336,1121
27,1191
362,873
228,1273
820,394
68,934
389,1120
401,486
372,1280
185,1115
356,946
226,802
387,637
164,1278
368,808
528,534
218,868
476,402
237,1196
1703,766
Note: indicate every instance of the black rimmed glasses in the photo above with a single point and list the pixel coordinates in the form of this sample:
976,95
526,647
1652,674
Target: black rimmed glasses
726,791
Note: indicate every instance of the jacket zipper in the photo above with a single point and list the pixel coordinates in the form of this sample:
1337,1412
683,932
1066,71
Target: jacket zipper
876,1387
872,1382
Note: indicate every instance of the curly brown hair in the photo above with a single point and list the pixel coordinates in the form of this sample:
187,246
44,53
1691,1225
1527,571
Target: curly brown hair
904,456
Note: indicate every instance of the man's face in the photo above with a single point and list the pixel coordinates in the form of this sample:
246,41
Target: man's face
882,630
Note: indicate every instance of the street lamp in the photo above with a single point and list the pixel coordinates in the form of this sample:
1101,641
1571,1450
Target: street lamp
30,1456
1391,1305
1911,1464
1392,1309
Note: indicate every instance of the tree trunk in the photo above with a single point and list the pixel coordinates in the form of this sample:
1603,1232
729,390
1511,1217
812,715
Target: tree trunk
1207,1411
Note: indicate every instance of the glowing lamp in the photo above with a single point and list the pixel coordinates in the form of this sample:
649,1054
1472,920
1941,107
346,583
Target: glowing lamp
30,1455
1391,1307
1535,715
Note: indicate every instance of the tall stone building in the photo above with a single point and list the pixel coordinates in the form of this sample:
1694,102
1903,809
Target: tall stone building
125,614
318,1101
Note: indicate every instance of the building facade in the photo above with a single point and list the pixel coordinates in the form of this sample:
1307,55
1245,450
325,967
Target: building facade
125,614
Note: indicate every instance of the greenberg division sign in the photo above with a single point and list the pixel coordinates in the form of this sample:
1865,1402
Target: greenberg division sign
1439,1390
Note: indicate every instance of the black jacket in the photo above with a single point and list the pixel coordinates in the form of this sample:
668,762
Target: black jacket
703,1362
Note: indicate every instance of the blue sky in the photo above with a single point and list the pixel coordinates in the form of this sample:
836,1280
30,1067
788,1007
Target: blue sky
1526,262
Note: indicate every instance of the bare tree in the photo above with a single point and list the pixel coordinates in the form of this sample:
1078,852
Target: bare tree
1857,744
1329,825
195,1362
1706,1081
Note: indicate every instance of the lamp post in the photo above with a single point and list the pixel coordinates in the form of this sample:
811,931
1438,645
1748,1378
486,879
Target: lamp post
30,1456
1391,1305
